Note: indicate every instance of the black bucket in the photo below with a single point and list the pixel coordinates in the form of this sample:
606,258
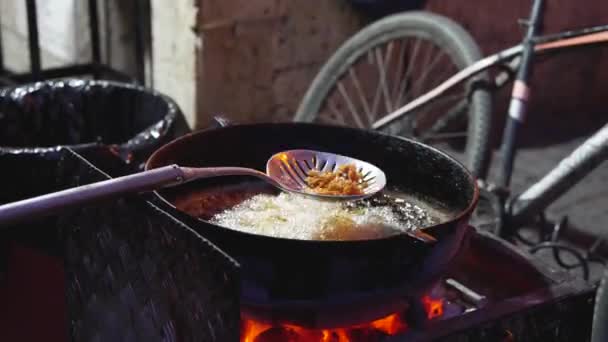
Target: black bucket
129,120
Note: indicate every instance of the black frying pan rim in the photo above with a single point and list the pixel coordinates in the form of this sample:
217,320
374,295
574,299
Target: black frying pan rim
452,220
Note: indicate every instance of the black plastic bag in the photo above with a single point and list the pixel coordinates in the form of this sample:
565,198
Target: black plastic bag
130,120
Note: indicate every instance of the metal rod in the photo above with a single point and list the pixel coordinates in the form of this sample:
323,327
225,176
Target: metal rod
519,98
34,44
468,294
564,35
1,51
140,24
94,30
53,203
73,70
570,171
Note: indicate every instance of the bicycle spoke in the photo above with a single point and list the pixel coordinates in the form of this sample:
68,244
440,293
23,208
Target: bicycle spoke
381,63
425,55
376,93
426,110
355,81
444,121
418,83
400,59
378,89
371,59
410,64
349,104
336,112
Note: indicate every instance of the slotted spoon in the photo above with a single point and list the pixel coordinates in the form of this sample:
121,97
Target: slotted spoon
285,170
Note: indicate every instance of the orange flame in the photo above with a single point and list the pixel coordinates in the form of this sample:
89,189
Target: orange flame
254,331
251,329
433,307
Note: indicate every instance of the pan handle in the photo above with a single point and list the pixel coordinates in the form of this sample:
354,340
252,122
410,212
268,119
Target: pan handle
52,203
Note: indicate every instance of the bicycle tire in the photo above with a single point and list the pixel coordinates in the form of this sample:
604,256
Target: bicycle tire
443,32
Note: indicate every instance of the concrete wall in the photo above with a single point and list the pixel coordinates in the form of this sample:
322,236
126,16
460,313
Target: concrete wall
175,46
260,56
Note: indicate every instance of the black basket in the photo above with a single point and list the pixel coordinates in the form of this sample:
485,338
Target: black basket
132,272
130,120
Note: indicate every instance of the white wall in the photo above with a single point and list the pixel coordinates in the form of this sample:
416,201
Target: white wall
65,39
60,43
173,52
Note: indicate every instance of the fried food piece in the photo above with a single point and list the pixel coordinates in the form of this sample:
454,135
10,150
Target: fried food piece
343,228
346,180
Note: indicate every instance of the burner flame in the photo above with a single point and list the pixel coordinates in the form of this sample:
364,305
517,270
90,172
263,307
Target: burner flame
433,307
254,331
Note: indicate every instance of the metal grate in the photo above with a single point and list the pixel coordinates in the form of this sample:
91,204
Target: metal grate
133,272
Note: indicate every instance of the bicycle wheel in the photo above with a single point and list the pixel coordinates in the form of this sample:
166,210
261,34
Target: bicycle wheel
389,63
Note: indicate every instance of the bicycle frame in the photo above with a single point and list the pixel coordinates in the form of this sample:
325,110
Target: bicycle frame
545,44
519,209
560,179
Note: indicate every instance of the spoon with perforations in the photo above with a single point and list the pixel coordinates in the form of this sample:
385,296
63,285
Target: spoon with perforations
287,170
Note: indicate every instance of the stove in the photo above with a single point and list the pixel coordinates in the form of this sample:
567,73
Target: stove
492,292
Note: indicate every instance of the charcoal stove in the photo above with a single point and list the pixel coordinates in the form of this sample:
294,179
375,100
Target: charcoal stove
492,292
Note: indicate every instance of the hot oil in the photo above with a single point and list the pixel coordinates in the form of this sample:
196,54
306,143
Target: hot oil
255,208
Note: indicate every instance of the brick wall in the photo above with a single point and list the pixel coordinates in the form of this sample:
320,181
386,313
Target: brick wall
259,57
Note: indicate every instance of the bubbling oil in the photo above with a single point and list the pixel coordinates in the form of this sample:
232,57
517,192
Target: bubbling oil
294,216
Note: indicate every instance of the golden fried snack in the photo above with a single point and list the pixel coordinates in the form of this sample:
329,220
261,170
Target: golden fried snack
346,180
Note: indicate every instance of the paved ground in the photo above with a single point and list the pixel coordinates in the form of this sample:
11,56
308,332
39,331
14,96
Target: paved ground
586,204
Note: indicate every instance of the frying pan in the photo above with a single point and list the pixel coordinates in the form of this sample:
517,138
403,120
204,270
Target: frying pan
305,281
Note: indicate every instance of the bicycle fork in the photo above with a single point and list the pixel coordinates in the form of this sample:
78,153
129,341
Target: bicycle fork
519,98
517,107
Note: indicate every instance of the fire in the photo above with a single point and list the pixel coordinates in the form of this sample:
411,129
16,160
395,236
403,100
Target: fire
390,325
433,307
254,331
251,329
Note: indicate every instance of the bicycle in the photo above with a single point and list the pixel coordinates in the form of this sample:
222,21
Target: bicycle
424,39
513,211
